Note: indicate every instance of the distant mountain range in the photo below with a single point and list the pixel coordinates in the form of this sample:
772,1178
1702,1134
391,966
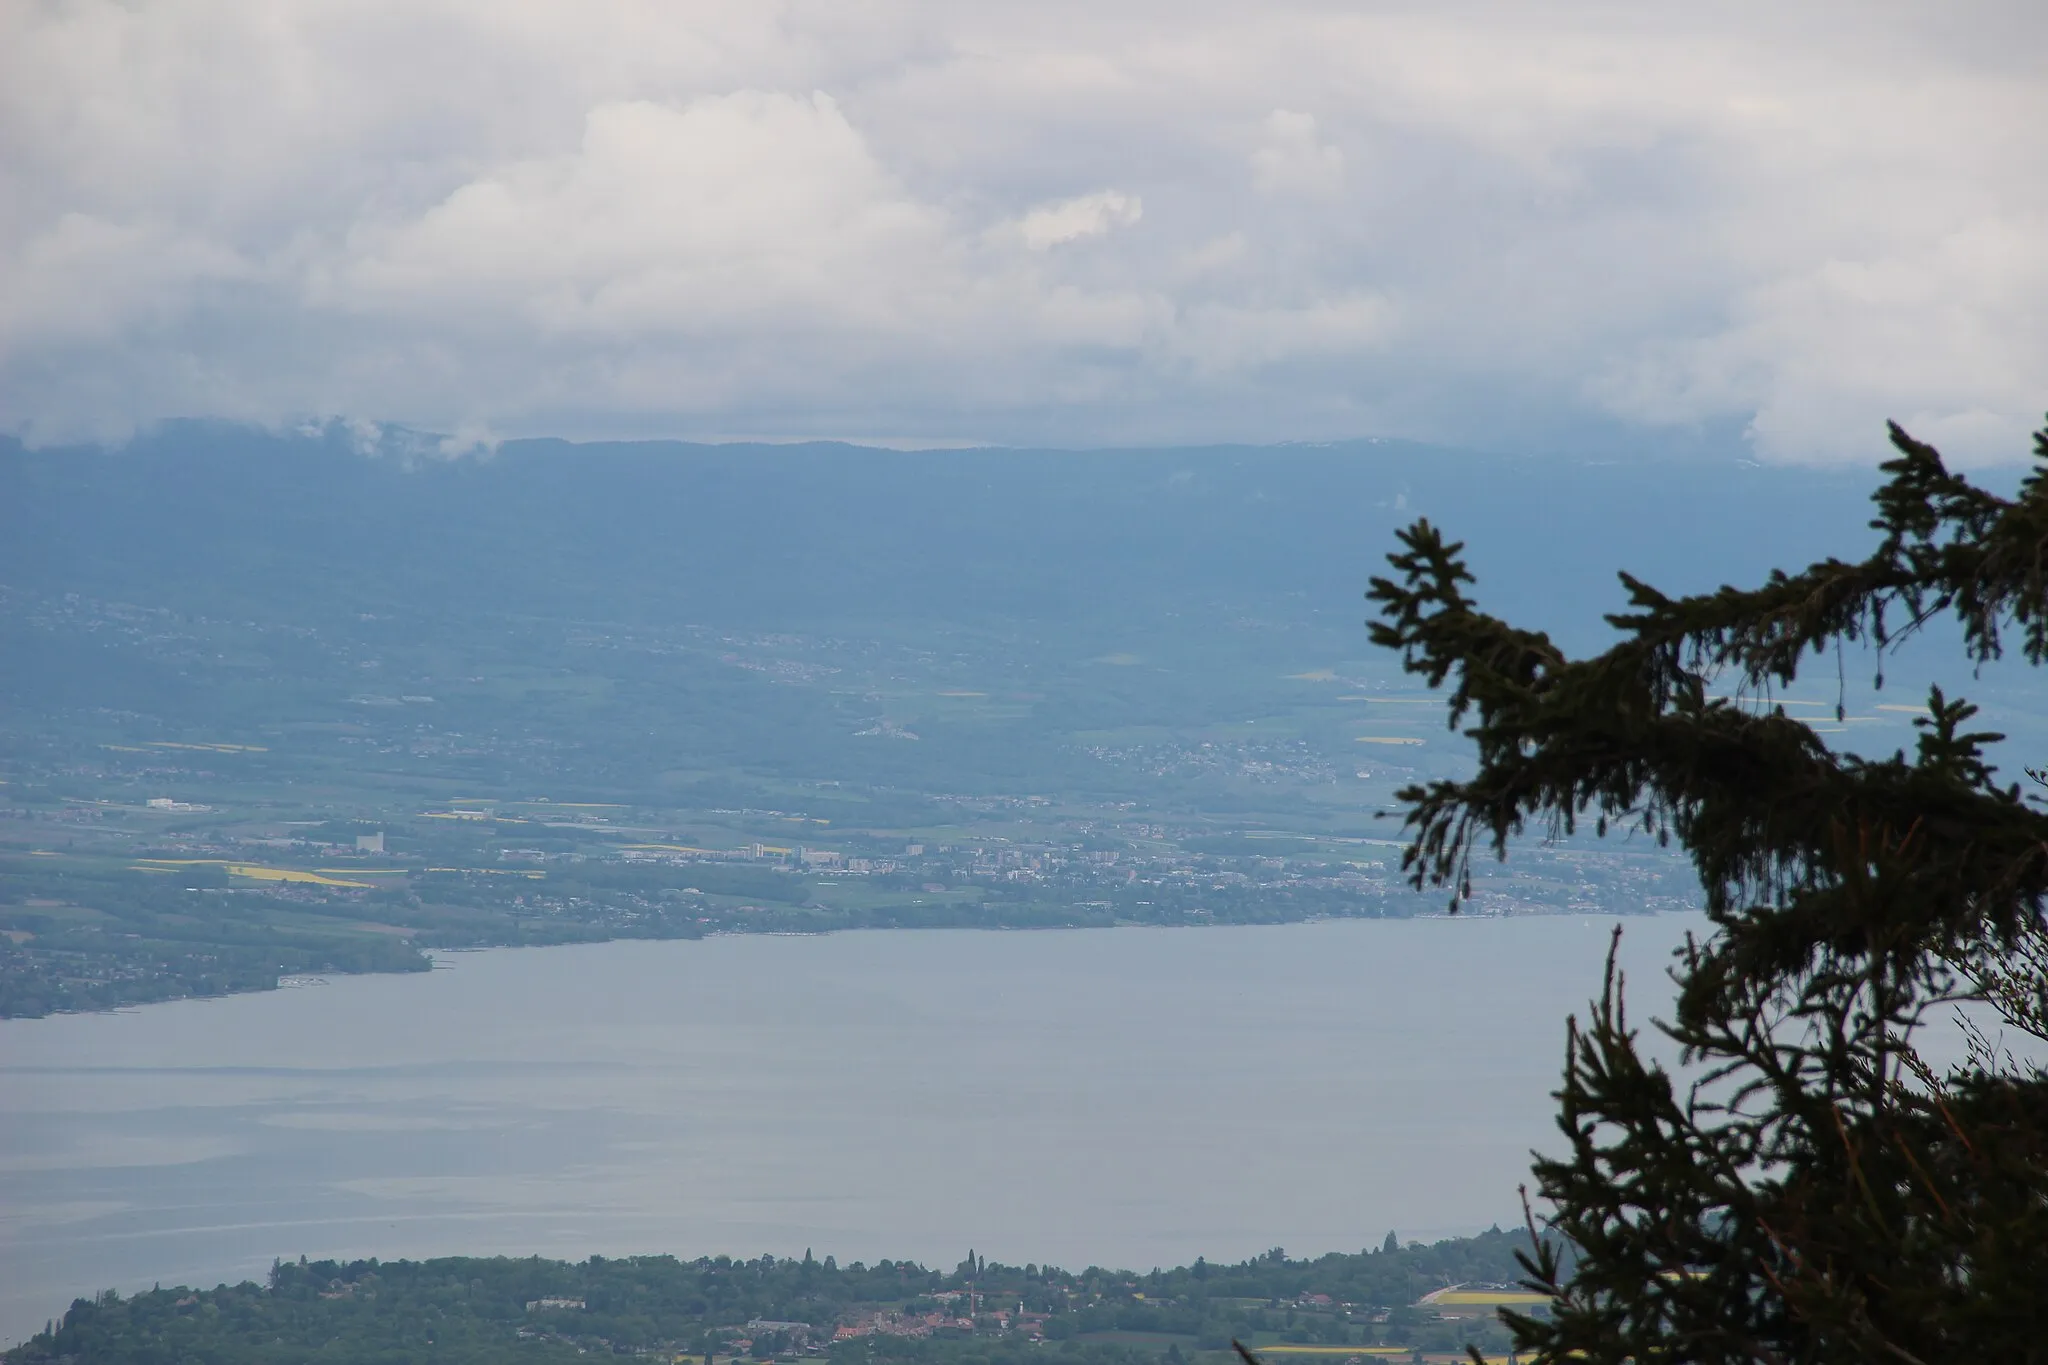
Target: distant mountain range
221,519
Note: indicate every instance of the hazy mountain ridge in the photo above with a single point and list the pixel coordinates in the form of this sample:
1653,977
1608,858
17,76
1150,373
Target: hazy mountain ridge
204,516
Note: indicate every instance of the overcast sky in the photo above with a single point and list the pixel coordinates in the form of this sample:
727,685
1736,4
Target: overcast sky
1509,225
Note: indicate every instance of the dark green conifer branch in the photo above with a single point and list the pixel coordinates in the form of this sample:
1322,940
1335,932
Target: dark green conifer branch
1817,1191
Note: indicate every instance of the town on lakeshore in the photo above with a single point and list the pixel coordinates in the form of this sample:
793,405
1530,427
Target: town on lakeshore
1393,1302
114,901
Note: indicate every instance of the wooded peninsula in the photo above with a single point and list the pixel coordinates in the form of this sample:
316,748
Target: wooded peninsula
1394,1300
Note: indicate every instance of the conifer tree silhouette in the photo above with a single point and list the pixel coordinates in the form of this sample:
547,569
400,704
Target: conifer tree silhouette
1814,1191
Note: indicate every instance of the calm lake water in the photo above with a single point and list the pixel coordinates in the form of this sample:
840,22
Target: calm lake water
1129,1097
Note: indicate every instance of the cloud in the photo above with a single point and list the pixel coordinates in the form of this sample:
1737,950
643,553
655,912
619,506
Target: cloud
1087,215
1291,159
691,220
1049,222
1950,334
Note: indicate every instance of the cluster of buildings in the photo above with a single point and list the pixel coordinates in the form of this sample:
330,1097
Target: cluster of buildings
888,1324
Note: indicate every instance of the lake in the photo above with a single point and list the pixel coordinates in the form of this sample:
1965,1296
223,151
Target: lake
1129,1097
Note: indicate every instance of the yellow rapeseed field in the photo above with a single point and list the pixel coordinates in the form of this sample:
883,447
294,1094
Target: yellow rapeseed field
253,871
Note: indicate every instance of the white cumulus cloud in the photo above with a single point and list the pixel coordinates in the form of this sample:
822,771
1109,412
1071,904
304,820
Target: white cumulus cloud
1086,215
692,219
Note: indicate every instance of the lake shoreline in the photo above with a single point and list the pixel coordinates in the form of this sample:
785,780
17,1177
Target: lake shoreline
430,953
1064,1096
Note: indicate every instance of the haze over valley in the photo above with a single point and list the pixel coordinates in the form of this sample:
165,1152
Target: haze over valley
283,705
